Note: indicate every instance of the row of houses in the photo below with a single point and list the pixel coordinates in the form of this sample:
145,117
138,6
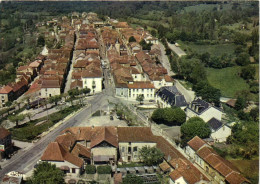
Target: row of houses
55,68
87,72
79,146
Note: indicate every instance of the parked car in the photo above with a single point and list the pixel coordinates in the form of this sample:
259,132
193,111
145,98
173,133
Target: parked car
111,117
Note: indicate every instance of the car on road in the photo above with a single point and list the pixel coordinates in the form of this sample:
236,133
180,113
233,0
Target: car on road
111,117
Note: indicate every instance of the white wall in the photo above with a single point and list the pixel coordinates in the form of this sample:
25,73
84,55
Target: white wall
137,77
148,93
70,165
221,134
87,82
161,83
46,92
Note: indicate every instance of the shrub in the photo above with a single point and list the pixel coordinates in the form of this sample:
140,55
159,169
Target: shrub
90,169
104,169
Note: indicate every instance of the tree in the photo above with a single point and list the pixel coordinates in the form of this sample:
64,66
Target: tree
130,179
254,114
140,98
47,173
151,155
242,59
86,90
158,115
16,118
132,39
41,41
29,115
248,72
195,126
179,116
55,99
240,103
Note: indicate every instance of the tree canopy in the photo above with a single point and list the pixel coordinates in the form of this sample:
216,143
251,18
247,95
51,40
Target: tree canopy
130,179
140,98
170,116
47,173
195,126
151,155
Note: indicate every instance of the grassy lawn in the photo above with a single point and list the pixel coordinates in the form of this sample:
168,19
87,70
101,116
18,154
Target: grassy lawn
249,168
227,80
214,50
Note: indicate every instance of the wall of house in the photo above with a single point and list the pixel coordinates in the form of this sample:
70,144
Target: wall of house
122,92
148,93
3,99
46,92
133,154
104,151
190,152
221,134
161,83
161,103
178,181
70,165
137,77
211,171
88,82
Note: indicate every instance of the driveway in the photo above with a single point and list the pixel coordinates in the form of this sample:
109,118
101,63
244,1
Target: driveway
177,50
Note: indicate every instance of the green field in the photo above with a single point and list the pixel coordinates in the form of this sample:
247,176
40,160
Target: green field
249,169
214,50
227,80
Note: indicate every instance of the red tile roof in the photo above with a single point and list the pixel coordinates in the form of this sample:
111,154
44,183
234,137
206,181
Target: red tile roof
100,134
196,143
6,90
134,134
55,152
4,133
141,85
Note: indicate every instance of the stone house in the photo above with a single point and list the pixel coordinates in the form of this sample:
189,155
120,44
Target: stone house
219,131
6,94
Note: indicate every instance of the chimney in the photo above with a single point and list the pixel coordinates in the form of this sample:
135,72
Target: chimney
197,108
177,165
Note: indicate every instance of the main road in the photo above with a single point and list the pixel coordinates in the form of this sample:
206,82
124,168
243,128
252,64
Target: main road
26,159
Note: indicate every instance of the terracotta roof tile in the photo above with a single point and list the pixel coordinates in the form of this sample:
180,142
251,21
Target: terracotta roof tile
100,134
196,143
6,90
141,85
134,134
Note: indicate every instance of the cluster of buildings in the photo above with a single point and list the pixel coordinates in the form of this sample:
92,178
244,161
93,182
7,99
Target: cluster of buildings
56,65
87,72
135,71
24,76
79,146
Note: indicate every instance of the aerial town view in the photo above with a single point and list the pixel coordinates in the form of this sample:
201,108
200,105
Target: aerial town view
129,92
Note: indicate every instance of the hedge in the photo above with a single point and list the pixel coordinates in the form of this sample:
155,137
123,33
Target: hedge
90,169
104,169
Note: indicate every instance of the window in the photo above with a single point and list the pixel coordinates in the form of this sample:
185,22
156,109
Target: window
85,81
147,95
123,149
142,90
135,76
133,95
129,149
135,148
73,170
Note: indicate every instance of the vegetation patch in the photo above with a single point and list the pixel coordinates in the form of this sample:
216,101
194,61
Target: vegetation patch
30,131
227,80
249,169
104,169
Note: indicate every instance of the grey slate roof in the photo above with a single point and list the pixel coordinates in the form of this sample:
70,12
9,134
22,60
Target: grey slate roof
172,96
214,124
198,106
